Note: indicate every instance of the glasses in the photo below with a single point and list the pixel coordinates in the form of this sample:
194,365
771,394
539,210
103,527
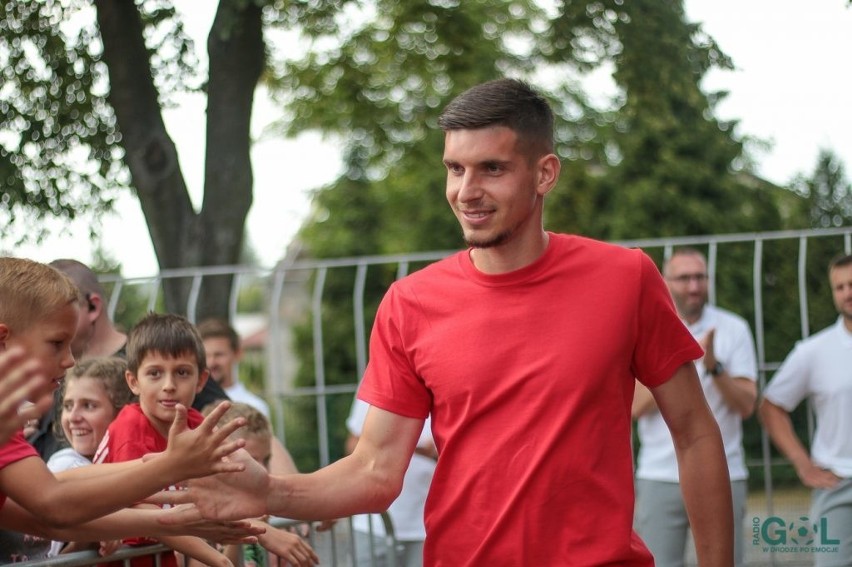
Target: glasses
687,278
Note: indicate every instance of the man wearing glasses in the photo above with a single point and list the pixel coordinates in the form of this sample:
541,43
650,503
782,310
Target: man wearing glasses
728,373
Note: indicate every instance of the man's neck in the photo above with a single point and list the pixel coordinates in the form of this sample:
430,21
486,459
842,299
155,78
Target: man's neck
105,342
508,257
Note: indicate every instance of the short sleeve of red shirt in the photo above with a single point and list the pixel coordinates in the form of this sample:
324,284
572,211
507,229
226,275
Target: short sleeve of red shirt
13,451
663,342
389,362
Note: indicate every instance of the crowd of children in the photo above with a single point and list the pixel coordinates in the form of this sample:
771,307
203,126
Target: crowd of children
114,413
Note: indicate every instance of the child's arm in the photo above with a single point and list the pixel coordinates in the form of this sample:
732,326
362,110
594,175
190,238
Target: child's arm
84,493
197,549
127,523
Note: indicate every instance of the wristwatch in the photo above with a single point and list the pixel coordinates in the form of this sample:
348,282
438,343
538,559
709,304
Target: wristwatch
716,370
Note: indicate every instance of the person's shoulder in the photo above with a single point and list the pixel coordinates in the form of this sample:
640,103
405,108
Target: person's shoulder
66,459
128,421
827,335
727,317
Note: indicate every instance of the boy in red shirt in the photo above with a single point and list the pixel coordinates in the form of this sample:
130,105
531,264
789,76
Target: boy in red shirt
166,368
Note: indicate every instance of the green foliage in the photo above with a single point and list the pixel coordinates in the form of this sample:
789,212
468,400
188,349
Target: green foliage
53,114
828,193
60,153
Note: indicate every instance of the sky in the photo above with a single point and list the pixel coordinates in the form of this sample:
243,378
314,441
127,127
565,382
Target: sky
790,88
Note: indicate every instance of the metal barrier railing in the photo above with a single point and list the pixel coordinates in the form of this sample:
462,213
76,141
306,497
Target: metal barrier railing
337,547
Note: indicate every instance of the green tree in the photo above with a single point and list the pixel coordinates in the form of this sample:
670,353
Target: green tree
87,83
668,165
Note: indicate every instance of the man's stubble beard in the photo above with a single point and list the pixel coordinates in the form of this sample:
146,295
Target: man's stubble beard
497,240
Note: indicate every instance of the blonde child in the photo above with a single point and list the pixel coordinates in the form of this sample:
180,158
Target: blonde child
92,395
282,544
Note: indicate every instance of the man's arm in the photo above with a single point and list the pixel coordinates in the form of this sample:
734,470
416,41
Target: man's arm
280,460
703,468
368,480
776,420
739,392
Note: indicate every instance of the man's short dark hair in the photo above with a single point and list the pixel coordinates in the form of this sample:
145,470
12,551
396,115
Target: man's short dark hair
840,261
219,329
503,102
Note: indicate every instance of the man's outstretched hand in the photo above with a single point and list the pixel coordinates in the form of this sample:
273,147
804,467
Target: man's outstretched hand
224,496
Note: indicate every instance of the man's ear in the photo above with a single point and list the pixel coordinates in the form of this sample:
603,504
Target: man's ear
202,379
549,168
132,382
4,336
94,305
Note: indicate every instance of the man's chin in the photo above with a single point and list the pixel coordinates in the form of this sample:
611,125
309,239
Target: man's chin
486,241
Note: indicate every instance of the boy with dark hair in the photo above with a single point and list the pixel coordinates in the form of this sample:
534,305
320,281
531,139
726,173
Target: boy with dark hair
166,367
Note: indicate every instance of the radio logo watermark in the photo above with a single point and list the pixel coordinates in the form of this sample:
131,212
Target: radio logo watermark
799,535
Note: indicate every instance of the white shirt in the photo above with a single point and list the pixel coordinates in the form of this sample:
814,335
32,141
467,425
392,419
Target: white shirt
820,368
734,348
239,393
406,512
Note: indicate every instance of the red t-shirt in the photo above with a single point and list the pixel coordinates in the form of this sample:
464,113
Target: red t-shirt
529,378
131,436
13,451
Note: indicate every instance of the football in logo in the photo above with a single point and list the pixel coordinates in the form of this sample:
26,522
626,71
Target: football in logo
802,531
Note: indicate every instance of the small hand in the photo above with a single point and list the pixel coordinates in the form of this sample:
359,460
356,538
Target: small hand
290,547
201,451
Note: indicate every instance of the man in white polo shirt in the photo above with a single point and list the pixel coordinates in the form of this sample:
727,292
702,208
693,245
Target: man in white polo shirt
728,373
819,368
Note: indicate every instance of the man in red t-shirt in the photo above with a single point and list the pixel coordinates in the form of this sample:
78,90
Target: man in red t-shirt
524,349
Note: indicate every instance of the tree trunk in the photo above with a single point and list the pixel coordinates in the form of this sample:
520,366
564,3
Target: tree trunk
181,237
